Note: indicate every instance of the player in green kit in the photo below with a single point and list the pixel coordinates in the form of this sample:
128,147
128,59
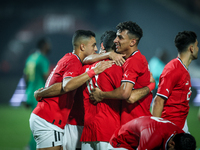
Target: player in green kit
36,72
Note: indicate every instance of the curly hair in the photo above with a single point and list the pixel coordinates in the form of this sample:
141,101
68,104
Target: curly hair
184,141
184,39
132,27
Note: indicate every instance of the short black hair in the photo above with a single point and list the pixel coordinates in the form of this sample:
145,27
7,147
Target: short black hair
103,35
132,28
184,141
41,42
108,41
80,34
184,39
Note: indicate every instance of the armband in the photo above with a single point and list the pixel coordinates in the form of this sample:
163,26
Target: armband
151,86
91,73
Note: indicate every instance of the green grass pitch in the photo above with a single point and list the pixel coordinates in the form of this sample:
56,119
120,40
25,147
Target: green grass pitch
15,132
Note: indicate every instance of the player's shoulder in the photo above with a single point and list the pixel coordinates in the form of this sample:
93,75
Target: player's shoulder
70,58
33,56
114,69
137,57
42,58
113,72
174,66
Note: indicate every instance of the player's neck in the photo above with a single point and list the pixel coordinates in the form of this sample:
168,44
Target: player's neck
185,58
79,54
130,52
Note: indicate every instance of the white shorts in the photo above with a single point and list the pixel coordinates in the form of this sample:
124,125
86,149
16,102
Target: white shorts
110,147
45,134
185,128
72,135
97,145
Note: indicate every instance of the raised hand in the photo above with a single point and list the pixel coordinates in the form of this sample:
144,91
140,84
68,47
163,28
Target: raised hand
102,65
118,58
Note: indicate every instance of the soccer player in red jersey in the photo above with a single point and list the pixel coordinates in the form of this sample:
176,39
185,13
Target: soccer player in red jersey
48,119
102,119
74,126
75,123
174,90
148,133
136,75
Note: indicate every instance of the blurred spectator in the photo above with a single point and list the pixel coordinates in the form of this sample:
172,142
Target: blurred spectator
36,72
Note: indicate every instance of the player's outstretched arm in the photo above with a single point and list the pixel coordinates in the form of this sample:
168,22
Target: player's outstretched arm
118,58
70,84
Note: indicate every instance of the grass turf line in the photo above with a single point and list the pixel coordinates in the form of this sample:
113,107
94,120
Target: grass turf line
15,131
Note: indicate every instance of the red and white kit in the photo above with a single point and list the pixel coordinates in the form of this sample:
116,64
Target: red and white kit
175,86
103,118
145,133
56,109
136,71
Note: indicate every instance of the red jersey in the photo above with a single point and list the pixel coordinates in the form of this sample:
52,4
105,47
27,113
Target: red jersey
145,133
56,109
102,119
136,71
76,116
175,86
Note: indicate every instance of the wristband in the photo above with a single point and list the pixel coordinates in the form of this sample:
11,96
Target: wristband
151,86
91,73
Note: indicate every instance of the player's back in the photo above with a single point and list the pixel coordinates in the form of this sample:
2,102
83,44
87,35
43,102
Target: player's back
146,132
103,118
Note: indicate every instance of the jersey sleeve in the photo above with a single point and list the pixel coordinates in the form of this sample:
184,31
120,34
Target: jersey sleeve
132,70
167,81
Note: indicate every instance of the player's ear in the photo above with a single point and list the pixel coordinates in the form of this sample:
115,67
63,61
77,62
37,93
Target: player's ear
191,48
133,42
102,46
171,144
82,47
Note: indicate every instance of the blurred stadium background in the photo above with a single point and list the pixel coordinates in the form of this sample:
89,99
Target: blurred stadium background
22,22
